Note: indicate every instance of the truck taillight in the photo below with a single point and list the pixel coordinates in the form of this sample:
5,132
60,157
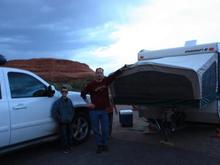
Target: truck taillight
211,49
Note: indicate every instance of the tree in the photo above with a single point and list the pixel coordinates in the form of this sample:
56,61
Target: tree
2,60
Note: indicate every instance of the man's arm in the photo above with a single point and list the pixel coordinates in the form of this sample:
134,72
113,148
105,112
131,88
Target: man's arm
84,92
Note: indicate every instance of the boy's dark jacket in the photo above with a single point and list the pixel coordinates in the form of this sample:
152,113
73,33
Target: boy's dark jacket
63,110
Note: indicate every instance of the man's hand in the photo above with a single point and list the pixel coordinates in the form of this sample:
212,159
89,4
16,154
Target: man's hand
91,106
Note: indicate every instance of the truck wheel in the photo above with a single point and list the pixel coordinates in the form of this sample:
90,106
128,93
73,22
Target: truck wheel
81,128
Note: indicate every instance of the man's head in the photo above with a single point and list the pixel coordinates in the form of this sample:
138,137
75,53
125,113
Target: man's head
99,73
64,91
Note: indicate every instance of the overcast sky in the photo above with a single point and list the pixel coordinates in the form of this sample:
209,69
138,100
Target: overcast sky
106,33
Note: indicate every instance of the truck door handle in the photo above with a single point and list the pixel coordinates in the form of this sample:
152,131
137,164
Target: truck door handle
19,107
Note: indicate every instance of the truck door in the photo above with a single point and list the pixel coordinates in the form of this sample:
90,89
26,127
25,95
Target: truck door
4,115
30,108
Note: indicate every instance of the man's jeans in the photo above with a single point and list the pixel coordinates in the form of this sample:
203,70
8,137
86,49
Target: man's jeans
99,119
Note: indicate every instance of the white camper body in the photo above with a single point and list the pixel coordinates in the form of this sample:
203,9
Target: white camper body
184,79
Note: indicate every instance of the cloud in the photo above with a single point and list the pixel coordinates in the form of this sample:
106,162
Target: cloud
103,33
29,28
162,24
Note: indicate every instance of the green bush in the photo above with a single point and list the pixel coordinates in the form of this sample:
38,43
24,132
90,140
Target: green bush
74,85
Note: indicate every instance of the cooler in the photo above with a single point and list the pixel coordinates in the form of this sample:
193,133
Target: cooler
126,118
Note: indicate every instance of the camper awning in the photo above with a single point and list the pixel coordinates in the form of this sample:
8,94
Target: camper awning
182,79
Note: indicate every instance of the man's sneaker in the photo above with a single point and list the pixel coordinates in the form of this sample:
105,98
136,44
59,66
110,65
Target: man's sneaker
105,148
99,149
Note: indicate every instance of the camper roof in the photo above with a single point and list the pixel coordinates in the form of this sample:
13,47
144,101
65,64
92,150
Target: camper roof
179,51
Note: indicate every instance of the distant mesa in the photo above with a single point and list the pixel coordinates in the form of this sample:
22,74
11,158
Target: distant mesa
54,70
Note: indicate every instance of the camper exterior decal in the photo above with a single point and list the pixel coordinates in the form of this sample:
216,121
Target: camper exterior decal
211,49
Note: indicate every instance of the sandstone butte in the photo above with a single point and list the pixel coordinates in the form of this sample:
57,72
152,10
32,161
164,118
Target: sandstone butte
54,70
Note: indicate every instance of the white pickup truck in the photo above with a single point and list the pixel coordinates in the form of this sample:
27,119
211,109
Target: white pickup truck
25,110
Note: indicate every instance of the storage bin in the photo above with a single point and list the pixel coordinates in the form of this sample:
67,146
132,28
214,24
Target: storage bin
126,118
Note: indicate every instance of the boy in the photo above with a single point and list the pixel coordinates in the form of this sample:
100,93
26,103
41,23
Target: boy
63,111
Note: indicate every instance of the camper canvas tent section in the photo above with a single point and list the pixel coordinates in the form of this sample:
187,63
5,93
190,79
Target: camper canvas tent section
181,79
185,76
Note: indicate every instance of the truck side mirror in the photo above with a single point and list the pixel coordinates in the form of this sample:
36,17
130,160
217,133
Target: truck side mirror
50,91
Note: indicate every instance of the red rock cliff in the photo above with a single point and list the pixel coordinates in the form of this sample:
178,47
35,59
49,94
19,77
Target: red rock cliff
56,70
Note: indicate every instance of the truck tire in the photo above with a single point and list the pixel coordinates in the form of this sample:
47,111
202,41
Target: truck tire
81,128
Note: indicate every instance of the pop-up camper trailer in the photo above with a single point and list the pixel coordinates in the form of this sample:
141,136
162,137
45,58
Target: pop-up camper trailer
184,79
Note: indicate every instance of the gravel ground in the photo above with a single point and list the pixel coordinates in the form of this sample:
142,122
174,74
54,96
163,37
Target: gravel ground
194,145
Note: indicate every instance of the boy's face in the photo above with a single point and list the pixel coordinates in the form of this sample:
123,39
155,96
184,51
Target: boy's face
64,92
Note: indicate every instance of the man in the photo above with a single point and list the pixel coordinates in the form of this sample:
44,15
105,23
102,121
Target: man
63,111
98,90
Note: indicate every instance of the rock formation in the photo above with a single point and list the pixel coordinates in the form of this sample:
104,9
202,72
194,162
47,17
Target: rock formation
54,70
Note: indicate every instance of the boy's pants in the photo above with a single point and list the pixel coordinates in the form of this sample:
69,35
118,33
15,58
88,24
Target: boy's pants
66,132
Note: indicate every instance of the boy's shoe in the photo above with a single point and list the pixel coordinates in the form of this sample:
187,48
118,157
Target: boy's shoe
66,151
99,149
105,148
